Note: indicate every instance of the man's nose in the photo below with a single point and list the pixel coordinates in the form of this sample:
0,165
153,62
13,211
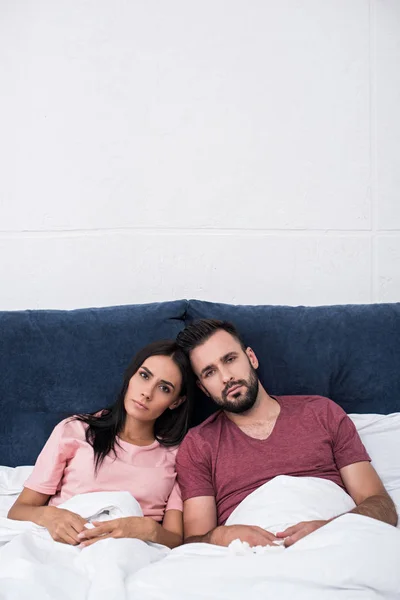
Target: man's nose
226,375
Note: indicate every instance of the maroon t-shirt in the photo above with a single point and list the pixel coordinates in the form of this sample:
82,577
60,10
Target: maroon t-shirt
312,437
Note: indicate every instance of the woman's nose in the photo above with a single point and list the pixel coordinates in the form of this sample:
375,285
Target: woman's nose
146,391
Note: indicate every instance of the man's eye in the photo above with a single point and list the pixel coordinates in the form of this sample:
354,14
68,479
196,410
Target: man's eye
208,374
230,359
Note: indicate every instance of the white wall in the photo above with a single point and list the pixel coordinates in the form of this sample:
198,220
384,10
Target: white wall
240,151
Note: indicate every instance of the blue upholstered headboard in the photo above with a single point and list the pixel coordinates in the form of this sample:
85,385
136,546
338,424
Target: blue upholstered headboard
56,363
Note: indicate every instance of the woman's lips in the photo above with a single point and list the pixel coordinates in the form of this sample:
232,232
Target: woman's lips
140,405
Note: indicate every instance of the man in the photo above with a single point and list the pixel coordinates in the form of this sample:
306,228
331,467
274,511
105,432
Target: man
255,437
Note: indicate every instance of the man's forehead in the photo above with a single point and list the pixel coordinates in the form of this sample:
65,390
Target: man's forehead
217,346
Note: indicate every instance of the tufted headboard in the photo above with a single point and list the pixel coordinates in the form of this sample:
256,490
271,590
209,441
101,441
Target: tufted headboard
56,363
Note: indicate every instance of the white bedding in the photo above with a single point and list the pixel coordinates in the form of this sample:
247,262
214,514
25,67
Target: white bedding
34,566
352,557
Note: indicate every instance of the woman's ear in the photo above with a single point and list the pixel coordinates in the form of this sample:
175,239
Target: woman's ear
177,402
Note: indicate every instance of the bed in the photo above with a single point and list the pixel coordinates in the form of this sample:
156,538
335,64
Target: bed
57,363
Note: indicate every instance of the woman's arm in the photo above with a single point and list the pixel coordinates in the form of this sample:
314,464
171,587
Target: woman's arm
63,525
29,506
170,533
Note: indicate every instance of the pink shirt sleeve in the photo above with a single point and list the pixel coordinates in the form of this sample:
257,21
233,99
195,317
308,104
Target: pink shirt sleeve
49,468
347,445
175,499
194,469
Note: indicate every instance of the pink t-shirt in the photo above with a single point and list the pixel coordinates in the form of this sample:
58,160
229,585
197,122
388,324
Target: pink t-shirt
65,467
312,437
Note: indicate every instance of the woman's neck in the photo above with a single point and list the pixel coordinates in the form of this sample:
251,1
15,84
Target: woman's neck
137,433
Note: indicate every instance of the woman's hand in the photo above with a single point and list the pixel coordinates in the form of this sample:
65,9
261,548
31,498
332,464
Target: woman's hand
141,528
63,525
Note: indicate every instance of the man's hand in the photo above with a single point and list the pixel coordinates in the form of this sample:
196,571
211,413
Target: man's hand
141,528
63,525
254,536
293,534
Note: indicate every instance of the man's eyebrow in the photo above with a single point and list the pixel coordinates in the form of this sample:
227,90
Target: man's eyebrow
228,355
152,375
206,369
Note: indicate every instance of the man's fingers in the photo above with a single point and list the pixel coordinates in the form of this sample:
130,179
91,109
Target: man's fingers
264,533
289,531
292,539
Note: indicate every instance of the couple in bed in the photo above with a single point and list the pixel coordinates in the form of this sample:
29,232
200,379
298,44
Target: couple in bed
139,445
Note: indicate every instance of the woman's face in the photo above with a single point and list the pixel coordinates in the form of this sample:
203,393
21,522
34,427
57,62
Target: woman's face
154,388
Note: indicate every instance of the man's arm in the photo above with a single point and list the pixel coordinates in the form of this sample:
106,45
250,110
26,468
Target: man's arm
365,487
199,519
200,525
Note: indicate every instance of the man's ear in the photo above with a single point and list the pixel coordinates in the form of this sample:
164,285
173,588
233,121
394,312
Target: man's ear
252,357
177,402
203,389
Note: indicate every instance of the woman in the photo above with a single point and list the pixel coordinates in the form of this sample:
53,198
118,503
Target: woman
130,446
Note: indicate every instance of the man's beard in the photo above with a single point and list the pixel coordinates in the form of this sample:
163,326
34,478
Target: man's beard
246,400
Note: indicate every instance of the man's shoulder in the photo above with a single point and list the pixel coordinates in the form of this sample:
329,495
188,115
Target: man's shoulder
208,426
204,432
313,402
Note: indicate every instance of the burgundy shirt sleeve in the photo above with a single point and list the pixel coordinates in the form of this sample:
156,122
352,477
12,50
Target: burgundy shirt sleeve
193,466
347,445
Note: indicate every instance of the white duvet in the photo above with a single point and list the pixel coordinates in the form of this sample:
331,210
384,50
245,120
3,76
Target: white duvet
34,566
352,557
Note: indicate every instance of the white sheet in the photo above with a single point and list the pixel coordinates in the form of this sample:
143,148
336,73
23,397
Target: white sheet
351,557
34,566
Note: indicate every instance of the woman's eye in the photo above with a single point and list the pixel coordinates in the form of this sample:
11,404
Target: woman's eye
165,389
143,374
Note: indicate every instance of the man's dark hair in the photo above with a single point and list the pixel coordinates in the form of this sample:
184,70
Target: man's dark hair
200,331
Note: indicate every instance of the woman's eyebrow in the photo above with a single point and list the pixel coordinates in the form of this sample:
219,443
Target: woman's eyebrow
152,375
167,382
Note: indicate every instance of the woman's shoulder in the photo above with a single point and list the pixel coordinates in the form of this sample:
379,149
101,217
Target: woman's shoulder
167,452
71,427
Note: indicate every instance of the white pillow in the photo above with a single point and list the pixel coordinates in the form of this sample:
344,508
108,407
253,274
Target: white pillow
12,479
380,435
285,501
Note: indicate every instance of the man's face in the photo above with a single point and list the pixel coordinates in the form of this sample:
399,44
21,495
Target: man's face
226,372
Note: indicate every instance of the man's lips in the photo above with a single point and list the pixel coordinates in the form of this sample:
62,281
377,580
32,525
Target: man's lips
140,405
234,389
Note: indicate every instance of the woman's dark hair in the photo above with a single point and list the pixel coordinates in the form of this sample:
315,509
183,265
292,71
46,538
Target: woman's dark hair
169,428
